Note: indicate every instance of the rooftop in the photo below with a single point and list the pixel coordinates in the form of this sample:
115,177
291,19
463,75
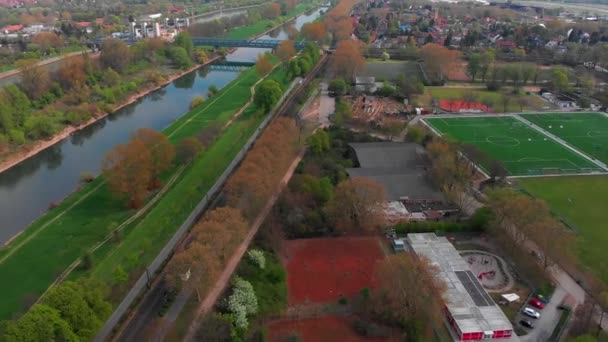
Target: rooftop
469,304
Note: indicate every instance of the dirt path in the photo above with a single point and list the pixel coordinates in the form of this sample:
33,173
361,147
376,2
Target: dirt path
221,283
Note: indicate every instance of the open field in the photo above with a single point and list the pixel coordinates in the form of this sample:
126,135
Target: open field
521,149
322,270
35,259
391,69
581,201
319,329
516,103
588,132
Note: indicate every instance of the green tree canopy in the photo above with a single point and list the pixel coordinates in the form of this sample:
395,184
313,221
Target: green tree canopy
40,323
267,94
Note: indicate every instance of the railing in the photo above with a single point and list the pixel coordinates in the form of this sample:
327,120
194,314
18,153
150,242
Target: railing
251,43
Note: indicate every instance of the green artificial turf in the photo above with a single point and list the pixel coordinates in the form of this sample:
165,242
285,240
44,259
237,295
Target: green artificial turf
582,202
521,149
586,131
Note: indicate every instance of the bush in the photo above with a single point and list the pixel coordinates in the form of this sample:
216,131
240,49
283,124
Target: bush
196,101
403,228
38,127
180,57
212,90
16,136
256,256
481,219
342,300
87,177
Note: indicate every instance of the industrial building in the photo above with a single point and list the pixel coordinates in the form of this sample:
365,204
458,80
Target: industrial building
470,312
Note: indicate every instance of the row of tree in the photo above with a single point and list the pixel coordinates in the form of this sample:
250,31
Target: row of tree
72,311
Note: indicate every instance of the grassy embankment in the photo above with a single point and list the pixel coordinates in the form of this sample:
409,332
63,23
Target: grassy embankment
36,258
265,24
581,201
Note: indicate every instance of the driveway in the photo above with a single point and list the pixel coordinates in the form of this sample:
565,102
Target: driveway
327,106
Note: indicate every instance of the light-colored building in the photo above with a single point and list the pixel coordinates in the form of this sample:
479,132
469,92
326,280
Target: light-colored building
470,312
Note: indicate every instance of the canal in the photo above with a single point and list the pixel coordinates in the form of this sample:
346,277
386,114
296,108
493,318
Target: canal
27,189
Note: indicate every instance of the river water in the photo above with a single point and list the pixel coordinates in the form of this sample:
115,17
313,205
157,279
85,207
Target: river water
27,189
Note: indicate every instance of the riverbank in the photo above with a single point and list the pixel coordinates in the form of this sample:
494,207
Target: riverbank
29,150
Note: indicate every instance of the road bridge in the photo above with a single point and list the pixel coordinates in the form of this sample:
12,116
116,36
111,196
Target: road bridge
250,43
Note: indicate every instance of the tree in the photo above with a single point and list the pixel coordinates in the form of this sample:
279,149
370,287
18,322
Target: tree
184,41
161,152
474,65
267,95
71,72
559,80
195,267
552,239
47,41
189,148
409,292
286,50
215,328
393,127
40,323
221,230
128,169
180,57
338,86
263,65
242,302
35,80
506,100
348,59
81,305
357,206
319,142
439,60
486,63
314,32
115,54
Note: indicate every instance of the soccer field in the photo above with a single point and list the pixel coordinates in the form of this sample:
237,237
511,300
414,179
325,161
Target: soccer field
520,148
588,132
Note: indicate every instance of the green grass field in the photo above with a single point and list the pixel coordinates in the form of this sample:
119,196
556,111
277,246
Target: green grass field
35,259
521,149
265,24
530,103
588,132
581,201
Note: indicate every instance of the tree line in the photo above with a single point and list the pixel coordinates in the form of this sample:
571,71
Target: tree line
84,87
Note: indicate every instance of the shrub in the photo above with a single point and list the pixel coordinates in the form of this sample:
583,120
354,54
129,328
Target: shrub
16,136
256,256
196,101
242,302
212,90
87,177
343,300
87,261
430,226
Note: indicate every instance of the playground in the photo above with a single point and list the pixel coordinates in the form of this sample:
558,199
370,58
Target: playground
522,149
588,132
490,269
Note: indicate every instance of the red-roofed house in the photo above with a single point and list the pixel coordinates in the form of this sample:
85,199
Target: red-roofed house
176,10
83,24
461,106
12,29
505,44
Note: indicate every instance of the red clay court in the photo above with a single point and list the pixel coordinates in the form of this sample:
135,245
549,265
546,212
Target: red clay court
320,270
321,329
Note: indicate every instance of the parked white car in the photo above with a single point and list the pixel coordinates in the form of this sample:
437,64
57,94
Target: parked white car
531,313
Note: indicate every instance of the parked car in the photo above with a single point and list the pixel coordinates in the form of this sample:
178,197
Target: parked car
526,324
543,299
531,313
537,303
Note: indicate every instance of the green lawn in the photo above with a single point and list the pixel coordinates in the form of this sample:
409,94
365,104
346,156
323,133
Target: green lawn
587,132
581,201
38,256
532,102
521,149
263,25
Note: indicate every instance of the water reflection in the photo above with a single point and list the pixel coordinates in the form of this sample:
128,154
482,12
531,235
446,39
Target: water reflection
185,82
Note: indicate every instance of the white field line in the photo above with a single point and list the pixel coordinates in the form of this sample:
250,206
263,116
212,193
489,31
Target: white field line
562,142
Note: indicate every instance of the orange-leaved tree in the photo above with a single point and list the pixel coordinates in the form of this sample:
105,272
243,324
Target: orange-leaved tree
161,152
314,31
286,50
195,268
222,230
348,59
357,206
263,65
128,169
408,293
439,60
71,72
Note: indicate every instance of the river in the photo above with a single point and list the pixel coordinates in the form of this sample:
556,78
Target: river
27,189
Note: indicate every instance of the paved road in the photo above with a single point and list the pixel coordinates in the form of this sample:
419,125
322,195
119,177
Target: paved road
327,106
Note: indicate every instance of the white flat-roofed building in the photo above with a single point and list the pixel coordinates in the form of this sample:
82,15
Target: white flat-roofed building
470,312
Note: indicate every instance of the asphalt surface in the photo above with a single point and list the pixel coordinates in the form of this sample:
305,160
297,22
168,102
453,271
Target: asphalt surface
549,316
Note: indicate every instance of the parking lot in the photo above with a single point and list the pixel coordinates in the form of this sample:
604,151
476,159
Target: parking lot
549,316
